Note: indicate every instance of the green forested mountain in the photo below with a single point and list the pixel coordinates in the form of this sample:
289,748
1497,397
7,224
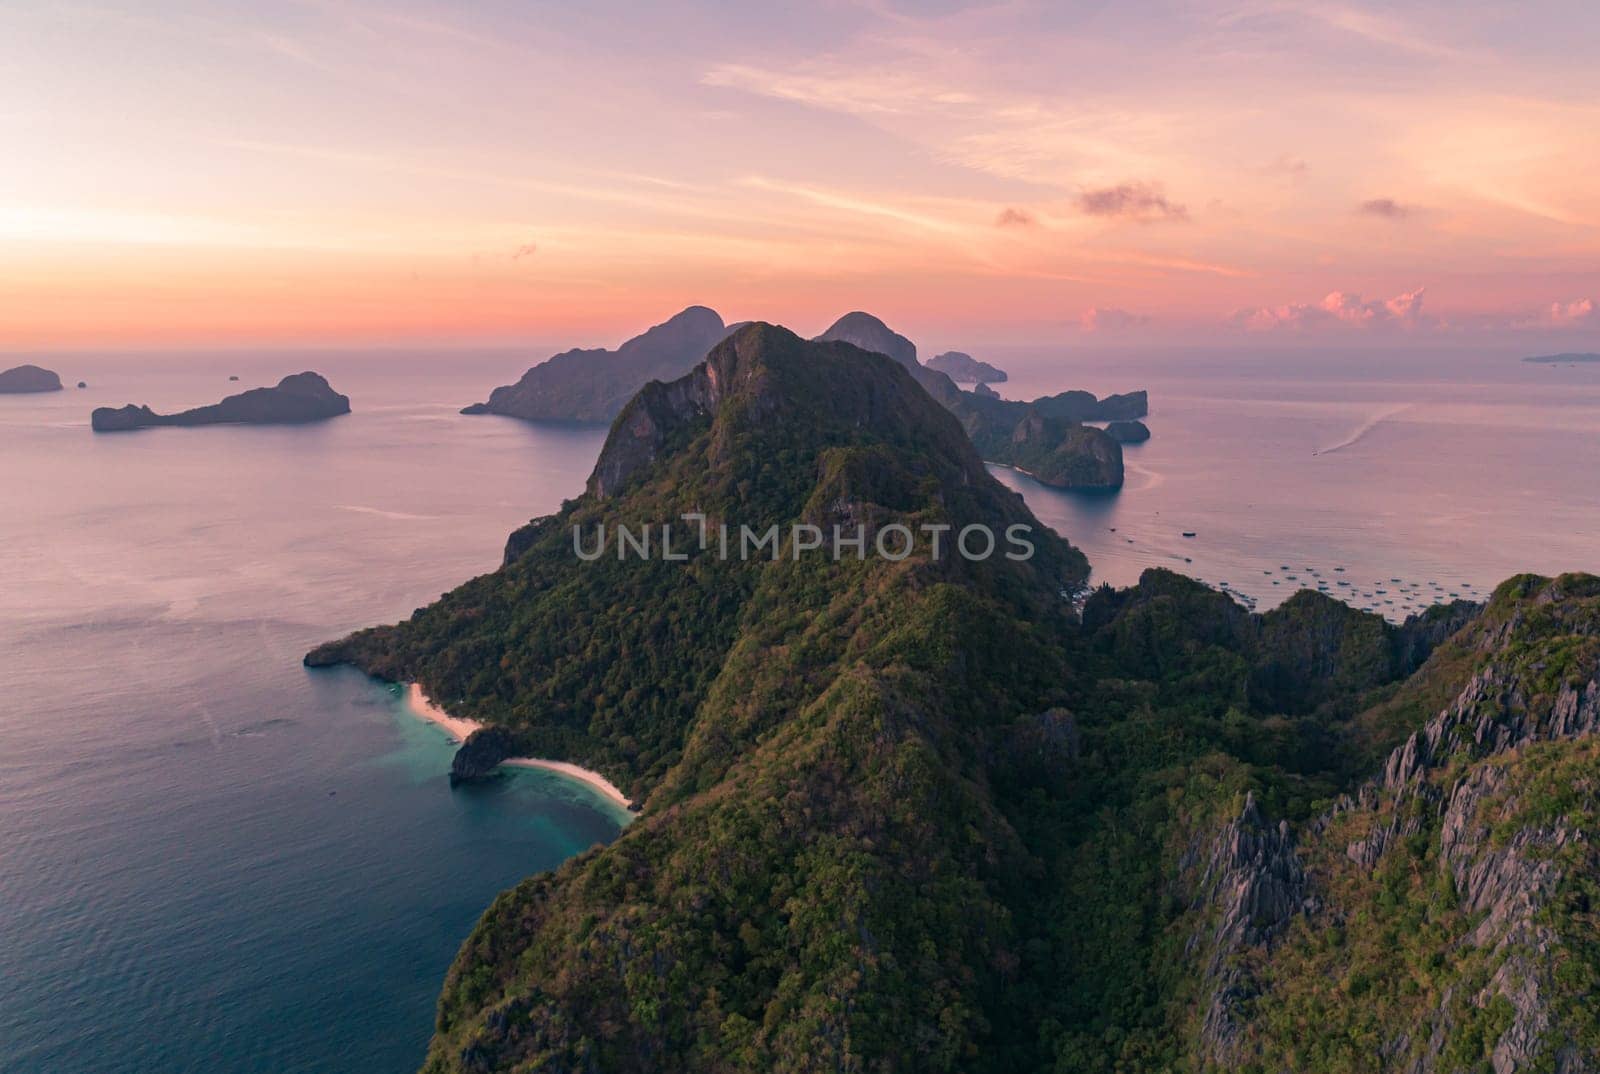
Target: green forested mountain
923,814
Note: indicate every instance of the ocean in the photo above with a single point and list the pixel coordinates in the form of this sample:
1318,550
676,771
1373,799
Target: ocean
214,860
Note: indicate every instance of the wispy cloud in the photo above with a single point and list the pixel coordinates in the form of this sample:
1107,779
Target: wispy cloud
1102,319
1387,208
1131,201
1286,166
1383,28
1013,217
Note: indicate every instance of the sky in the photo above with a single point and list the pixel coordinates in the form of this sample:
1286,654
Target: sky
492,171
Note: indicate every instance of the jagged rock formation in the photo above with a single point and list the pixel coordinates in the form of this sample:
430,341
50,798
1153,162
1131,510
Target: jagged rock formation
1128,432
593,385
1473,830
28,379
1251,887
297,399
963,368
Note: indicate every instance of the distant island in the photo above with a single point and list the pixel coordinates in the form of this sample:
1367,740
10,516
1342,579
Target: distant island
1128,432
593,385
1044,439
28,379
297,399
963,368
1564,359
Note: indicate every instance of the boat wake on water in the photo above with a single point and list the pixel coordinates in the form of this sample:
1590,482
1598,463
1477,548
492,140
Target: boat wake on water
1364,428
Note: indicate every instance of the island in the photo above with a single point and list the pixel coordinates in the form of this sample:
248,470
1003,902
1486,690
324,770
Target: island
927,812
1046,438
593,385
1128,432
1578,358
28,380
1063,454
963,368
296,400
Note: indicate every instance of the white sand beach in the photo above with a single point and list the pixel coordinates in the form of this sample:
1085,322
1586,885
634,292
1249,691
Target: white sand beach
459,727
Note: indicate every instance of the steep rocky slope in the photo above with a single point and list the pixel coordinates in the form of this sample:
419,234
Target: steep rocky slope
917,813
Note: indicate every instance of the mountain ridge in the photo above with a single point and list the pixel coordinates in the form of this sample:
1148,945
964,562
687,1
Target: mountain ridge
921,813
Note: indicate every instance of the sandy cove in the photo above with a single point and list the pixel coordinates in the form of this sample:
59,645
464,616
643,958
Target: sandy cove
459,727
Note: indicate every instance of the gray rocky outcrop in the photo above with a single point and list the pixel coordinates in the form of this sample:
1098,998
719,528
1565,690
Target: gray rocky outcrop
1251,887
481,754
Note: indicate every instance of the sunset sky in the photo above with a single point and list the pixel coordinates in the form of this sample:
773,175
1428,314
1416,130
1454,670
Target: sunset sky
323,171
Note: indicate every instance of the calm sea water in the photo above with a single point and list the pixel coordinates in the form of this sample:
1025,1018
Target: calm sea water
213,860
1420,475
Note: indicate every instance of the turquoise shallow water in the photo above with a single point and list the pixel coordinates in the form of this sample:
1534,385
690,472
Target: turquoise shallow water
213,860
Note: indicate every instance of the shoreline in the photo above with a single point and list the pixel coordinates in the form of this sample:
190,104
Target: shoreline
459,727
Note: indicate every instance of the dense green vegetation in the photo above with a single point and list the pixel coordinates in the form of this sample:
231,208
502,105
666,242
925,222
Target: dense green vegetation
919,815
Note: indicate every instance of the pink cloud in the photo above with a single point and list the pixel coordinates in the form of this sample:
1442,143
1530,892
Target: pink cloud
1577,313
1338,308
1096,319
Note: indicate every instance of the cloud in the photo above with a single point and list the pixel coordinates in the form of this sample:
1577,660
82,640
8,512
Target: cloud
1337,308
1010,217
1131,201
1295,169
1580,312
1387,208
1096,319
